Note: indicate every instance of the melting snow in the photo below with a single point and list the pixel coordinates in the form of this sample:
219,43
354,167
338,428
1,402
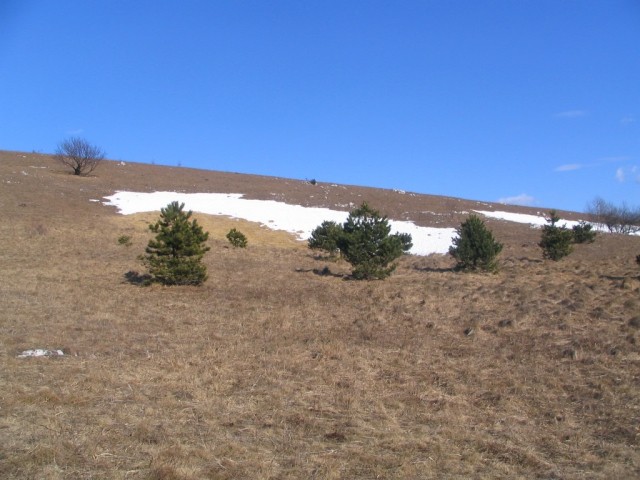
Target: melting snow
298,220
535,220
40,352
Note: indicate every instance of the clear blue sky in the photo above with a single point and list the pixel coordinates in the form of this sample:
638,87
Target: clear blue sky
532,101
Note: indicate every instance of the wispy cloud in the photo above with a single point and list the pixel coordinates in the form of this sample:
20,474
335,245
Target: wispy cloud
624,173
571,114
523,199
569,167
627,120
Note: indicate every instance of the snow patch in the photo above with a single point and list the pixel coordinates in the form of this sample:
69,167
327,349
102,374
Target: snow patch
534,220
295,219
41,352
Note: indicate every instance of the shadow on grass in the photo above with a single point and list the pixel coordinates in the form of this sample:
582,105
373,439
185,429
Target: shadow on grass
322,272
135,278
324,257
436,269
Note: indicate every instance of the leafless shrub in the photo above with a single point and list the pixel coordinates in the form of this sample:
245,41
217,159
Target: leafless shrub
617,219
79,155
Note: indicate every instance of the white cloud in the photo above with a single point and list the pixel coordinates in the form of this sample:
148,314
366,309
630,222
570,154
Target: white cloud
522,199
571,114
569,167
622,174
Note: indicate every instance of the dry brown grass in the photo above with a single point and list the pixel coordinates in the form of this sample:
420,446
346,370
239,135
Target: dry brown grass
270,370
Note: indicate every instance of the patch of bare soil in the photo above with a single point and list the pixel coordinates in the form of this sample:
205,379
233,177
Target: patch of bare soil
278,367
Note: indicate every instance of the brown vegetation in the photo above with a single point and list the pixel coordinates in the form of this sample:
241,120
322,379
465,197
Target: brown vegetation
270,370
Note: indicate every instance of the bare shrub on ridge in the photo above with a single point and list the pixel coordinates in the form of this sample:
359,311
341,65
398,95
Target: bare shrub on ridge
79,155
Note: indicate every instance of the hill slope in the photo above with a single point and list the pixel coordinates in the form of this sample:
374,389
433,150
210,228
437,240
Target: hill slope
272,371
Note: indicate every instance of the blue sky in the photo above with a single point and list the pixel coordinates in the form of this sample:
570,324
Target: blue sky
527,101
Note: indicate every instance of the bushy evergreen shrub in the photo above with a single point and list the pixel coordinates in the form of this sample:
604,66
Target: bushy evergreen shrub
366,243
124,240
237,238
556,242
583,233
475,248
174,257
325,237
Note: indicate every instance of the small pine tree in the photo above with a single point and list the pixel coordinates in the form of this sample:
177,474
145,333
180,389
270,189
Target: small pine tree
638,259
124,240
366,244
583,233
237,238
174,257
556,242
325,238
475,248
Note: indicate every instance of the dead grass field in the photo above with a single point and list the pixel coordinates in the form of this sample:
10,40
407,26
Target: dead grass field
272,371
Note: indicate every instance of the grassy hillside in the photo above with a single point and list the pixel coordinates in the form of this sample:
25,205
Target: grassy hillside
273,371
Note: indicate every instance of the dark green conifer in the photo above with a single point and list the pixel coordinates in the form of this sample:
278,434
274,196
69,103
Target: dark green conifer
583,233
237,238
556,242
367,245
174,257
325,238
475,248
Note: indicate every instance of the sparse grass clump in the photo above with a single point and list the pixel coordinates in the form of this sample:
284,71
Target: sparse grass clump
174,257
475,248
237,238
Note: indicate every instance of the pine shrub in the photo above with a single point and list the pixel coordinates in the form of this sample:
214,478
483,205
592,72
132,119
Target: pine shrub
325,237
174,257
583,233
237,238
475,248
124,240
556,242
366,243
